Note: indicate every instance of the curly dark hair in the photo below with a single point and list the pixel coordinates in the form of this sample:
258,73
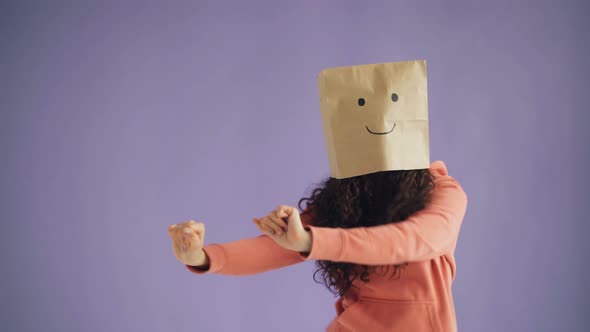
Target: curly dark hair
366,200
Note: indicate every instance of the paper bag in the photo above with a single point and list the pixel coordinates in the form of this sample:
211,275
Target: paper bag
375,117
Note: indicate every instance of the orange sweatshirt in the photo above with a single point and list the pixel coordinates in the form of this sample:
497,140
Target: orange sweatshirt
419,300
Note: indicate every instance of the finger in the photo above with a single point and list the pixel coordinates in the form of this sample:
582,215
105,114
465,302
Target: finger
191,235
285,212
259,225
178,247
267,230
274,222
263,227
187,242
182,240
171,229
197,226
277,220
178,232
286,209
270,226
188,232
281,213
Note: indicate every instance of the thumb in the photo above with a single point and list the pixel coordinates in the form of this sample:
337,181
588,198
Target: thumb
291,213
284,211
196,226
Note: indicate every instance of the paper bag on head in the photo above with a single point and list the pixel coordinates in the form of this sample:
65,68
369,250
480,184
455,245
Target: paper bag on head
375,117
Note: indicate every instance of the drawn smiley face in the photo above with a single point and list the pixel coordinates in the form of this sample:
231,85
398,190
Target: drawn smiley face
362,102
375,117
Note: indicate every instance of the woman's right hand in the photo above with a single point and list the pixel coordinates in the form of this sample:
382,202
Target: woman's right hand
187,242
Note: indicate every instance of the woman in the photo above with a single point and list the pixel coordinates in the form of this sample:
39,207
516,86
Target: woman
383,241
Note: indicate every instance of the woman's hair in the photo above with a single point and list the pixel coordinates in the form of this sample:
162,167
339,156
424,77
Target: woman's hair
367,200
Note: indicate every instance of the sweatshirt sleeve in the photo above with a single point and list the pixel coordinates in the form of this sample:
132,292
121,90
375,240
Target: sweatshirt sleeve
428,233
249,256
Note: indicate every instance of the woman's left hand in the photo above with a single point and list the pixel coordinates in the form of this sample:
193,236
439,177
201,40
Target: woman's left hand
284,226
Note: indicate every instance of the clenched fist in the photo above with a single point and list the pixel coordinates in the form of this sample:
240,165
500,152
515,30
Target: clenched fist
284,226
187,242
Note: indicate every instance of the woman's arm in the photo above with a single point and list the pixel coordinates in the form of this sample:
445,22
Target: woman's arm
428,233
248,256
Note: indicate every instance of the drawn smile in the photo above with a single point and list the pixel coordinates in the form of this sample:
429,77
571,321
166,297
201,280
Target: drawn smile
375,133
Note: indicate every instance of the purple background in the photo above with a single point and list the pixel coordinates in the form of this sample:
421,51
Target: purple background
120,119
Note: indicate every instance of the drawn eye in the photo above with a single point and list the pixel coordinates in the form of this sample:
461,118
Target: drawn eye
361,101
394,97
